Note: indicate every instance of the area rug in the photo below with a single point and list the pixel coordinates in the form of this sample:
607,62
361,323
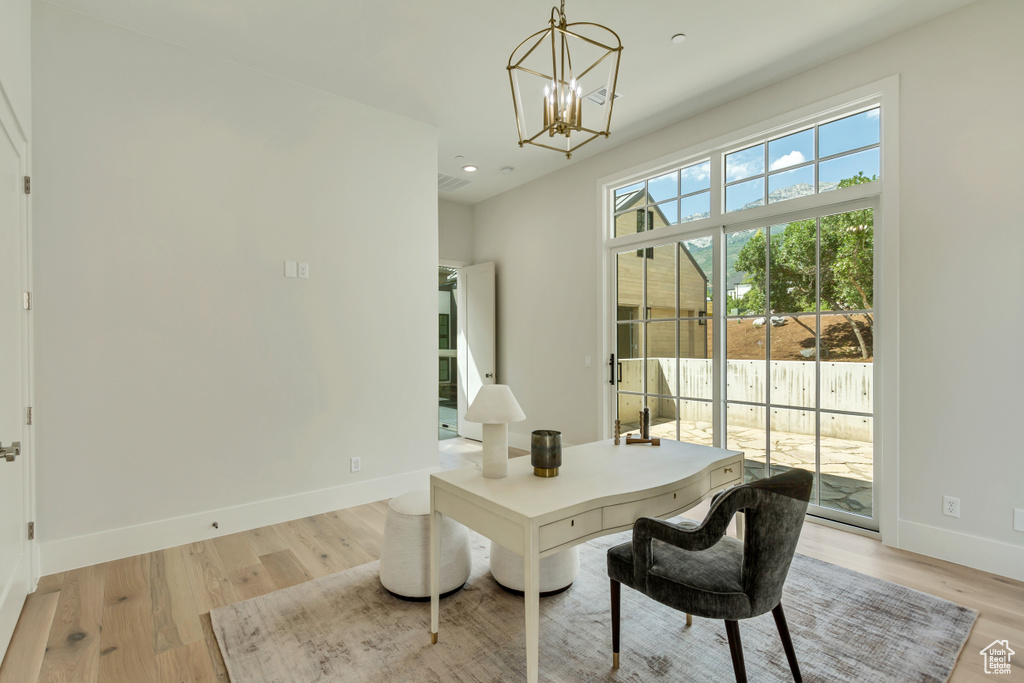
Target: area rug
845,627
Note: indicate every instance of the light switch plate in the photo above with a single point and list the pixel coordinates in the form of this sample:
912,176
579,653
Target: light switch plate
304,270
1018,519
291,269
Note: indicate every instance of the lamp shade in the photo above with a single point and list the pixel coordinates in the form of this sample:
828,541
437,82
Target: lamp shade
495,404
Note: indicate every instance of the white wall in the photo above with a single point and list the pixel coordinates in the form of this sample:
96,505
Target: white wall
455,231
960,371
178,372
15,59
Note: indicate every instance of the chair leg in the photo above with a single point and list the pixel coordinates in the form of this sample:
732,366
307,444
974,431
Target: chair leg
732,629
689,619
616,591
787,643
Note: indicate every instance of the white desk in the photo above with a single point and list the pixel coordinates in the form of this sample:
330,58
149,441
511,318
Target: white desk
601,489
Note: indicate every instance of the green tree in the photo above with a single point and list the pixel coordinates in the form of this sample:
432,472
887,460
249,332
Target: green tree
847,267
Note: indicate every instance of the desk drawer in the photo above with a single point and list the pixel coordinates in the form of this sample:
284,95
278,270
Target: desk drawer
625,514
726,474
569,529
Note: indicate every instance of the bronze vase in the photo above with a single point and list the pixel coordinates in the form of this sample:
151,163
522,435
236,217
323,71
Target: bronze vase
546,452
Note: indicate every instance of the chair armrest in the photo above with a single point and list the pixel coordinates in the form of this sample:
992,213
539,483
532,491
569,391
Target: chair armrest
706,534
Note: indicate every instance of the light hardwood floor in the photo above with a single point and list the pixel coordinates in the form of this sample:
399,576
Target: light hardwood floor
147,618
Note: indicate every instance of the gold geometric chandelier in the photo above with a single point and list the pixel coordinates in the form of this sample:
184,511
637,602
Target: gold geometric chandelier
549,88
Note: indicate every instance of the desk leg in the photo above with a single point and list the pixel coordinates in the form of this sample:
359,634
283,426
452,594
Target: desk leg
531,576
435,568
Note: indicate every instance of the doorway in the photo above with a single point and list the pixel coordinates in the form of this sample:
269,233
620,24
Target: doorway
447,324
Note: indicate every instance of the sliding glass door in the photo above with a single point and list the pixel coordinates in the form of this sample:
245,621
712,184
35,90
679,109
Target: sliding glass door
663,339
799,325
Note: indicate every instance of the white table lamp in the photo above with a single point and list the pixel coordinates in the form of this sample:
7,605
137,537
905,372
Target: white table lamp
494,407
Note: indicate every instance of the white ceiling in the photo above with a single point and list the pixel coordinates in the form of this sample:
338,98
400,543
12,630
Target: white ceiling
443,63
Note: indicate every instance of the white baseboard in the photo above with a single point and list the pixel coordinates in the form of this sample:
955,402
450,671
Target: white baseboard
81,551
996,557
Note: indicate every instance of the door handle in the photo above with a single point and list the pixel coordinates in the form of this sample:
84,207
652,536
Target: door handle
11,452
611,369
620,372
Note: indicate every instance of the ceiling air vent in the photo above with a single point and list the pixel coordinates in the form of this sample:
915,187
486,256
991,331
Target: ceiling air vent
447,183
600,96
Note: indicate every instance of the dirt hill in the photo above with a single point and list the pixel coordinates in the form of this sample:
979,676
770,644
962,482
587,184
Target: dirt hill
838,342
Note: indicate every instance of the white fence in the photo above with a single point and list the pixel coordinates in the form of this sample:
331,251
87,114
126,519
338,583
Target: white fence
844,386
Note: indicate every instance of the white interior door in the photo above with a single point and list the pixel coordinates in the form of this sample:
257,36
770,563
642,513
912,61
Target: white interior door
14,555
476,345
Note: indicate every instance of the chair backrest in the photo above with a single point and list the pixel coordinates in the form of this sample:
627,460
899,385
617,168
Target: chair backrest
775,509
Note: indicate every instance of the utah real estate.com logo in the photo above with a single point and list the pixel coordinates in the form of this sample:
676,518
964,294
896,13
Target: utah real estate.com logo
997,657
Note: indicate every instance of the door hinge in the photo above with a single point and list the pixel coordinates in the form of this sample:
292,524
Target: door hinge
28,185
31,531
28,415
28,301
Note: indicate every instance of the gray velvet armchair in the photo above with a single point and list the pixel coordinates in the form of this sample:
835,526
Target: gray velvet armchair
699,570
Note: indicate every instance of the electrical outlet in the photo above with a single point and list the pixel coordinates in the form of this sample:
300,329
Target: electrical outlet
951,506
304,270
357,464
1018,519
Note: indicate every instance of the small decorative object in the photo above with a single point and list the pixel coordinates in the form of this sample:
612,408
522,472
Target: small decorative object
494,407
618,432
645,431
546,452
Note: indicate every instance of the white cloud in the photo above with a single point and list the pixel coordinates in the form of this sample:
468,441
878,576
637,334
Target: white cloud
792,159
697,172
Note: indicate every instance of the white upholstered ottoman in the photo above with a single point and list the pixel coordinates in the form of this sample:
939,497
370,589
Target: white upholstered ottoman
405,553
557,572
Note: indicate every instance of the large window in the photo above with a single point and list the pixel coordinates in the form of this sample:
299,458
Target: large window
752,325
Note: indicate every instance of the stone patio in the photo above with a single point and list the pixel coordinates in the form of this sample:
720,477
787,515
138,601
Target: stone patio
846,465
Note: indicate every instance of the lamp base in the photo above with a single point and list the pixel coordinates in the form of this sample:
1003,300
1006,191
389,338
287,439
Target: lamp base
495,444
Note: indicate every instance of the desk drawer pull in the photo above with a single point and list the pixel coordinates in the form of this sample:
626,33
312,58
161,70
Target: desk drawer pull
572,523
725,474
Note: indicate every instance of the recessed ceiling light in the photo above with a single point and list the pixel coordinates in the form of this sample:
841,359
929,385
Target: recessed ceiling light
678,38
507,169
469,168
